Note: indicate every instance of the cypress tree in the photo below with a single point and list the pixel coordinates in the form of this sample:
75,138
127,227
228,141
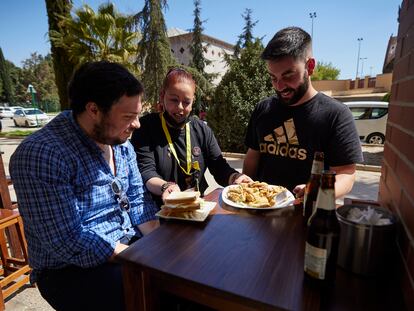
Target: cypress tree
247,36
154,51
242,87
199,62
62,65
196,48
8,92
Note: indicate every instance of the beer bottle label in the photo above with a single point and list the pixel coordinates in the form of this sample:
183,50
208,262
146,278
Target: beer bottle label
317,167
326,199
315,261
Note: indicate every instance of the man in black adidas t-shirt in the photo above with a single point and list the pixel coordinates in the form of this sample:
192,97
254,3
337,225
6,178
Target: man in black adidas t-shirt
286,129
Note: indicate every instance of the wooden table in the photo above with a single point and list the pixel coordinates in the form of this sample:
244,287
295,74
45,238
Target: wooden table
237,260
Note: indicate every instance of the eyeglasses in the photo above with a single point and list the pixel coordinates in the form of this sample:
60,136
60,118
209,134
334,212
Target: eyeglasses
120,195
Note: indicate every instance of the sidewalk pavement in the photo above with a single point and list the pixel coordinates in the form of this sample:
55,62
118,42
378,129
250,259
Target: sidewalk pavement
28,298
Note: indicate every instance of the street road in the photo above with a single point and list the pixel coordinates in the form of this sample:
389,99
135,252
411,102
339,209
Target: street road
8,125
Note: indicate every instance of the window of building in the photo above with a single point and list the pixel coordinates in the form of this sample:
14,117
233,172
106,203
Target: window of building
182,50
172,51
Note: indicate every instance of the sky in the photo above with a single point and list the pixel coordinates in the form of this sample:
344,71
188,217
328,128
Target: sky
336,27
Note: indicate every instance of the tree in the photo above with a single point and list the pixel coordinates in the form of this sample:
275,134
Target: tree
325,71
104,35
1,87
62,63
16,76
7,95
199,62
247,35
38,71
244,84
154,51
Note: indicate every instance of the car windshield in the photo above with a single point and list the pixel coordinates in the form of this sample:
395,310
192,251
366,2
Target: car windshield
33,111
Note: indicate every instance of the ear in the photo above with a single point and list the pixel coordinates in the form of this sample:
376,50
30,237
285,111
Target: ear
92,110
311,64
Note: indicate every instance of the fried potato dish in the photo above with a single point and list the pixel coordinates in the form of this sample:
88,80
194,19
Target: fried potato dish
254,194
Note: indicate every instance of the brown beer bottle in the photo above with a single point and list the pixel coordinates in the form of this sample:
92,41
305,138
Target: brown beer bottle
322,238
312,187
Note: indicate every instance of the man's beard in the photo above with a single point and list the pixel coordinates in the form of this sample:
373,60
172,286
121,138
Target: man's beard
171,121
298,93
99,134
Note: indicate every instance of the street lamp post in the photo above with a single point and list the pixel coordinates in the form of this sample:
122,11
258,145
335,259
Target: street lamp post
362,65
312,16
359,50
32,91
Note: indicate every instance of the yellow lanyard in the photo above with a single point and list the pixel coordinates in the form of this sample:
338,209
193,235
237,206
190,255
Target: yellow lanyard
187,143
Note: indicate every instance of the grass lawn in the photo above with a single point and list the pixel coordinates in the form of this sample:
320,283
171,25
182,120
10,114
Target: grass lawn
17,133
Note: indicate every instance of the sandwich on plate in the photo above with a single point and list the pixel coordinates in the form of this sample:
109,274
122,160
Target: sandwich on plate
182,202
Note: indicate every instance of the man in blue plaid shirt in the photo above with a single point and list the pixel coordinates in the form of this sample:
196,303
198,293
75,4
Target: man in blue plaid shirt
80,193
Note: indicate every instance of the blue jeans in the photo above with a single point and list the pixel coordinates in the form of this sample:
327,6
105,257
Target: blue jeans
74,288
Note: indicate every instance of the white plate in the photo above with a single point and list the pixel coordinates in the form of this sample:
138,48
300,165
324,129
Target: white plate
286,199
197,215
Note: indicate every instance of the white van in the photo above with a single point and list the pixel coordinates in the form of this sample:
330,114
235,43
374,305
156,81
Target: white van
370,120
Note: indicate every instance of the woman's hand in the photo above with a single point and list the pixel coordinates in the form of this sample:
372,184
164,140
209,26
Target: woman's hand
168,190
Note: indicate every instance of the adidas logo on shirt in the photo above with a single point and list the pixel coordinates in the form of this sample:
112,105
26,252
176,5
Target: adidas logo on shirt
284,142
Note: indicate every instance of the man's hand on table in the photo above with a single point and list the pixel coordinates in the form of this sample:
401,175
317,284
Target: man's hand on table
239,178
299,191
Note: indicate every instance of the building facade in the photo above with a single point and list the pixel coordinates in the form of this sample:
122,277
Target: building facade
214,51
396,190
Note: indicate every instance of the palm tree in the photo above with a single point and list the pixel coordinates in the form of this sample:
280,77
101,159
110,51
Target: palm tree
104,35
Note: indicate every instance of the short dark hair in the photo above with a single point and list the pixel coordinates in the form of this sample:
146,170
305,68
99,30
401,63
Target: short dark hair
103,83
290,41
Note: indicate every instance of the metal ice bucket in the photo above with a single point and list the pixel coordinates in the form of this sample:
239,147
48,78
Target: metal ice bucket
366,249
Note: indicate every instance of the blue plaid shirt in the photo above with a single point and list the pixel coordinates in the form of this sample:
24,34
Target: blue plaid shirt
63,186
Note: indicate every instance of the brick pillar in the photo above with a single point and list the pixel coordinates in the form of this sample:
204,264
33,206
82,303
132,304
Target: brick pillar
397,177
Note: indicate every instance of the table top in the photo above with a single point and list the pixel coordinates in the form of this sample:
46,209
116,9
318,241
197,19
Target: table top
255,255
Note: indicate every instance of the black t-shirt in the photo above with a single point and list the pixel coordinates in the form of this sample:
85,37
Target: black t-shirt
156,160
287,138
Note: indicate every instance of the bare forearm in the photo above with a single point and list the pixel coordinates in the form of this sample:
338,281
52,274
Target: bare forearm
154,185
251,162
119,247
149,226
343,184
345,177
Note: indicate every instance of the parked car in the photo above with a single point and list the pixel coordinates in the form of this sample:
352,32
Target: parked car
30,117
370,120
6,112
14,108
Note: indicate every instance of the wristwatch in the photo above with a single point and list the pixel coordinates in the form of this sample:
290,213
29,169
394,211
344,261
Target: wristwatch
166,185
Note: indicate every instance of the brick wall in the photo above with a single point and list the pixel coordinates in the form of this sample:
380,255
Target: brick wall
397,178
